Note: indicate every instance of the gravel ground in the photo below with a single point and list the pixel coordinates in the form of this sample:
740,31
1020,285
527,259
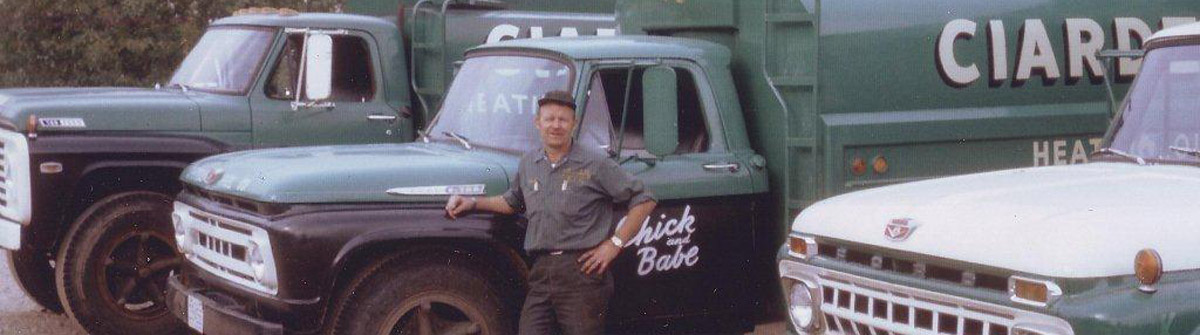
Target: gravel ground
19,315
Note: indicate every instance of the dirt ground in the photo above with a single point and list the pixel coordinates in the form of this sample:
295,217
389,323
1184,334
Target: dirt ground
19,315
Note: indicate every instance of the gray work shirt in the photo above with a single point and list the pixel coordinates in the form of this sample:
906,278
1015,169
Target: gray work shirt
570,204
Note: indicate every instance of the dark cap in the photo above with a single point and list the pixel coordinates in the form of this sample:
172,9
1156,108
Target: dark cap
558,97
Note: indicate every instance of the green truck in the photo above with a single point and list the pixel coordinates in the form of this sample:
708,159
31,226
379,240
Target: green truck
88,174
737,114
1103,248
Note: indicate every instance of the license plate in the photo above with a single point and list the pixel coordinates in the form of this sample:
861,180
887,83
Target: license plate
195,314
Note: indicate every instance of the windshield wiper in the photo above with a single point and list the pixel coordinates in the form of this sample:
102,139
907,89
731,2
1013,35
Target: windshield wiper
183,87
1185,151
461,140
1139,160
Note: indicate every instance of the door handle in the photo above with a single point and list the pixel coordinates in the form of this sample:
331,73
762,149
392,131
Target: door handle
381,117
731,167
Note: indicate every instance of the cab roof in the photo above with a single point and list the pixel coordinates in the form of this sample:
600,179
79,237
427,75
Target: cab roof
618,47
310,20
1191,29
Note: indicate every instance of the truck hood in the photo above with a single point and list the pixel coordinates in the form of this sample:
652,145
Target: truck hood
102,108
351,173
1081,221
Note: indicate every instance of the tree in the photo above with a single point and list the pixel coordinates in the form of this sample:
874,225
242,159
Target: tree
109,42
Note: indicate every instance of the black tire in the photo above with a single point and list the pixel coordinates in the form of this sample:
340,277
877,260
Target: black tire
442,290
33,273
113,266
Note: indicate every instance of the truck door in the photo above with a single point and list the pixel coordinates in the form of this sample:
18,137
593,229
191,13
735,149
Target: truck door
355,112
691,256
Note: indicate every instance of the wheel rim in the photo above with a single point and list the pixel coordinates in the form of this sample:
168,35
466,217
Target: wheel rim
436,314
133,276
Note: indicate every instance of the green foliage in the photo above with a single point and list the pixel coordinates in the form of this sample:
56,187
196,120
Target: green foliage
109,42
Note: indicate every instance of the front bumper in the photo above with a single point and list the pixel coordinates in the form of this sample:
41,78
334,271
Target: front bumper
219,316
10,234
229,311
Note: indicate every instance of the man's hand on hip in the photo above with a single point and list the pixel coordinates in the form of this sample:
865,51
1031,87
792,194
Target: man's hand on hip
459,204
598,259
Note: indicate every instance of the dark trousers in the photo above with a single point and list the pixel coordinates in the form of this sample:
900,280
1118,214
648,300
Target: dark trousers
564,300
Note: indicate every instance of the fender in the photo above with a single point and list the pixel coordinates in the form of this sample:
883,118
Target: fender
313,243
495,238
85,155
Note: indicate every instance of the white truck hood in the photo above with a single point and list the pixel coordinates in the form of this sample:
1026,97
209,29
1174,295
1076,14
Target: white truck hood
1079,221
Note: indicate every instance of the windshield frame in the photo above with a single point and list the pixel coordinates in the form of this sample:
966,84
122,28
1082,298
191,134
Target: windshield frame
272,47
1119,119
572,85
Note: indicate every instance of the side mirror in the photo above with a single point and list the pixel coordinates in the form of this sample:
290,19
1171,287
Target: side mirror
660,108
318,68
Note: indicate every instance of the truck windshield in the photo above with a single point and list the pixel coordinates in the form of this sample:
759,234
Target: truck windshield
493,101
225,60
1161,119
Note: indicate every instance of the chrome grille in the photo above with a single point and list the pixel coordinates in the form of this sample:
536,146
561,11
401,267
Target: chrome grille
14,177
854,309
222,246
854,305
4,184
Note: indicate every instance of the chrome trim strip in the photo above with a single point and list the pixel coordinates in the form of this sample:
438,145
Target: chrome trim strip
16,185
464,189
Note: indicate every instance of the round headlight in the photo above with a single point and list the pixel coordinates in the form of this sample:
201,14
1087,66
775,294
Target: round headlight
1148,267
801,308
180,233
255,259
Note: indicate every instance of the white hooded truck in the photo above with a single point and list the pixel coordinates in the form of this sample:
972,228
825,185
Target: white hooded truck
1109,247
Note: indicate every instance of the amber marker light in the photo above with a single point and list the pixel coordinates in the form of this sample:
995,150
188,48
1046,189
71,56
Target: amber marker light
801,246
879,164
858,166
31,126
1148,267
1032,291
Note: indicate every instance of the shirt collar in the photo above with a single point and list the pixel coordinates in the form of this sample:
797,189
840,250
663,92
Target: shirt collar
572,154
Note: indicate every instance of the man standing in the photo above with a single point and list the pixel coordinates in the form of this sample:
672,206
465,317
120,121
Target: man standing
567,192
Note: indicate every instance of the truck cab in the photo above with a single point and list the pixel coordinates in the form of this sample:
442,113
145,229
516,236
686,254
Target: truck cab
1106,247
80,162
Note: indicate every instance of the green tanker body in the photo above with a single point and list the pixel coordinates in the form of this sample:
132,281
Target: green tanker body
737,114
88,173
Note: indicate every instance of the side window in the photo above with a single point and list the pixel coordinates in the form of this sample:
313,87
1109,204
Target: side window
353,76
282,83
693,133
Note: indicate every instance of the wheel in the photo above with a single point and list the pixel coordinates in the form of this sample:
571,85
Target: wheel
35,276
113,266
438,294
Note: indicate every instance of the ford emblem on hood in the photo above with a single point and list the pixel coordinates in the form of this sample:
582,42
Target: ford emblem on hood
213,176
899,229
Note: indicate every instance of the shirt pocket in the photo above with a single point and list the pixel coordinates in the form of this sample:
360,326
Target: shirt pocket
535,196
578,201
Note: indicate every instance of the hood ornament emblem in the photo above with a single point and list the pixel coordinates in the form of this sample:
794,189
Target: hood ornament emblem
213,176
900,229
